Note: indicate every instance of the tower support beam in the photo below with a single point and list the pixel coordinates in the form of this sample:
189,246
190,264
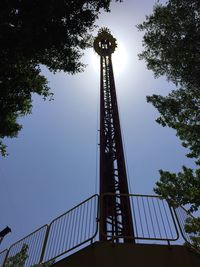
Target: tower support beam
116,219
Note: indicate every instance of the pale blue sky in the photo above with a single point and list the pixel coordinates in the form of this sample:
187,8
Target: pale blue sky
52,164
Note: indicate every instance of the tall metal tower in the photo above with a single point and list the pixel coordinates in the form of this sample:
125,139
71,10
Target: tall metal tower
116,220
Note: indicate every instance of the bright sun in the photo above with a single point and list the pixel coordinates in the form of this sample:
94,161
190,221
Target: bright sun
119,59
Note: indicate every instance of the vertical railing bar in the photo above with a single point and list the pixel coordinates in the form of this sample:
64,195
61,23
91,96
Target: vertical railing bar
185,218
83,223
44,245
134,216
88,228
151,217
28,242
76,231
90,220
65,229
94,221
34,248
162,218
71,215
93,216
37,246
145,217
56,244
79,221
62,233
179,223
78,224
29,251
59,223
66,222
156,218
140,217
50,238
86,219
6,257
71,228
98,216
169,225
183,225
10,251
53,236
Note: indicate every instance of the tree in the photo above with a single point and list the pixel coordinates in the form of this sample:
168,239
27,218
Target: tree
172,41
172,48
49,32
20,258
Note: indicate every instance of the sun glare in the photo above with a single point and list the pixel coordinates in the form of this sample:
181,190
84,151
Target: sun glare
119,59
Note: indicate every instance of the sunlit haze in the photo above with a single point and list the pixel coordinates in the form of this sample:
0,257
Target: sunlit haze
119,59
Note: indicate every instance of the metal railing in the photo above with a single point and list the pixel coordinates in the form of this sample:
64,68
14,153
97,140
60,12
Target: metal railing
3,256
153,220
72,229
34,243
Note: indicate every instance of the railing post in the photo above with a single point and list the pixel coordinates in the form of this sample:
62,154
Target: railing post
44,244
5,258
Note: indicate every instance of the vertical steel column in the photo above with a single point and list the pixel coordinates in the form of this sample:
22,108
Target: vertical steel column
116,219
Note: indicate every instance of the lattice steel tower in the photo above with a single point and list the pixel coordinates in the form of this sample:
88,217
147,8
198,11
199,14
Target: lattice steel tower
116,219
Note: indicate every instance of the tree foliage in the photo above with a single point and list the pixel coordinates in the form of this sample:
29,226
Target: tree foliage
183,187
172,41
20,258
172,48
49,32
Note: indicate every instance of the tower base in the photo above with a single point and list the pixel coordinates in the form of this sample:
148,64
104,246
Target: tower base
104,254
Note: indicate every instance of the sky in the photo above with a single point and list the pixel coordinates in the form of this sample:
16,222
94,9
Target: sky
53,164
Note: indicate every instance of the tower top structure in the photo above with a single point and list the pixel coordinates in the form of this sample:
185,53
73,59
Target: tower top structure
104,44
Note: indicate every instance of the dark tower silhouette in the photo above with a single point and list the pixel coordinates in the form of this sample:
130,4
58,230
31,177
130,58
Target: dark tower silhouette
116,220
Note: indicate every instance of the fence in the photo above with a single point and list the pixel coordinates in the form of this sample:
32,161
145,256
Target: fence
72,229
34,243
153,219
